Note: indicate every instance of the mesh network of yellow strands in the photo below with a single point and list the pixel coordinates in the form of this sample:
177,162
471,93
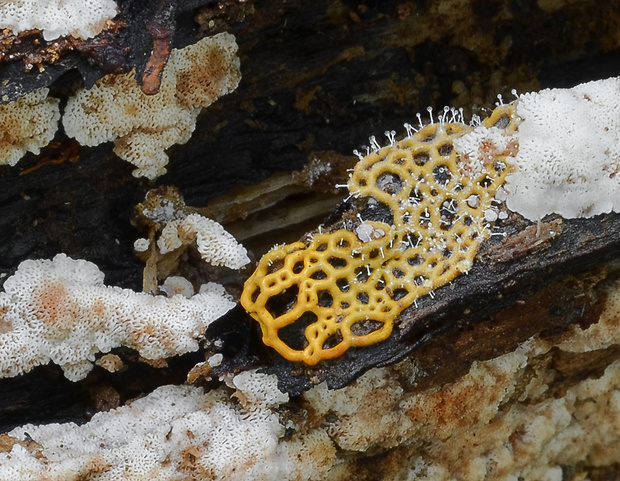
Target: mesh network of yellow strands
342,289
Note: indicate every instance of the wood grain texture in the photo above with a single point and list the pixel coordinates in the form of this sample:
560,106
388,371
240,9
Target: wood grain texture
318,78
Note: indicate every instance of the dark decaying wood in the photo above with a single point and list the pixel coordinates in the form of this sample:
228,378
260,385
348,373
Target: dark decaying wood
514,290
318,78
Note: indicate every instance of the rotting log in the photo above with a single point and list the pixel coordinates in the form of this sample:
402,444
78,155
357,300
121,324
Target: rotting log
319,78
529,282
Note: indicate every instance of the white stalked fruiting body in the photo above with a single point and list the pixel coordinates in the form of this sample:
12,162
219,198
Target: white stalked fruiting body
60,310
565,152
57,18
143,126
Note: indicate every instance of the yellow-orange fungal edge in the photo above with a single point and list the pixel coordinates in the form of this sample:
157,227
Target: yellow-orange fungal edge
344,289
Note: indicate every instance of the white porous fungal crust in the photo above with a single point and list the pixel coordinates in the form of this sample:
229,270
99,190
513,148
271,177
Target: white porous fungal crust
215,245
27,124
56,18
177,285
255,389
59,310
141,245
565,152
473,144
503,420
569,152
143,126
175,433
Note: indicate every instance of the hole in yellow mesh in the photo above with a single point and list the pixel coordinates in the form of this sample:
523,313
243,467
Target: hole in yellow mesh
325,298
445,150
410,240
333,340
362,298
276,265
442,174
421,158
343,284
398,273
416,260
420,226
399,294
415,197
337,262
253,293
361,274
502,122
429,137
486,182
343,244
389,183
293,334
280,303
318,275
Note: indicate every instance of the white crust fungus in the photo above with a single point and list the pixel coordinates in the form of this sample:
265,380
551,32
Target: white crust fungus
79,18
27,124
569,152
143,126
215,245
565,152
499,421
175,433
110,362
473,143
60,310
255,388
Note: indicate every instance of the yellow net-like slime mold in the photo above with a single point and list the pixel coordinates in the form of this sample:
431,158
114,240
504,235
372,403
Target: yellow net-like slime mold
342,289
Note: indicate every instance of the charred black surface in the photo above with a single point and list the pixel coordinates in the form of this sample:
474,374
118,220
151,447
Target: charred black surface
237,337
525,293
44,395
58,208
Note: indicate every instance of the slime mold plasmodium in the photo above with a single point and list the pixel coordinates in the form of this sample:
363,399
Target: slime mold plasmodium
345,288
